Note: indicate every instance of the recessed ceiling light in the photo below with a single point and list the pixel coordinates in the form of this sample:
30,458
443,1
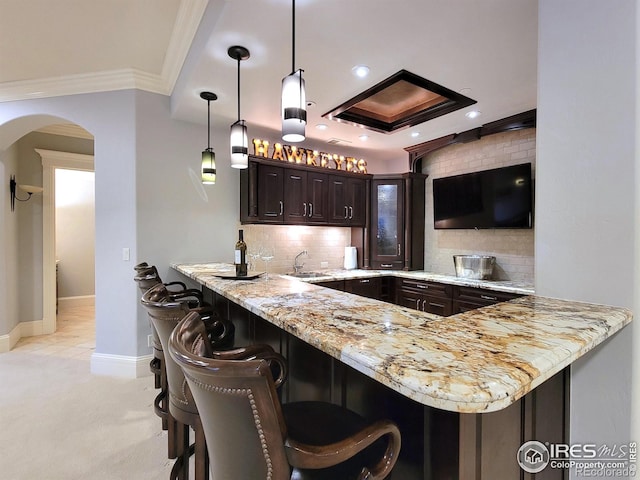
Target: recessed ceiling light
473,114
321,126
364,137
360,71
415,134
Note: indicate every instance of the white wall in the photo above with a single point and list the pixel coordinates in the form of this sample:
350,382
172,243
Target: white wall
586,189
8,245
75,232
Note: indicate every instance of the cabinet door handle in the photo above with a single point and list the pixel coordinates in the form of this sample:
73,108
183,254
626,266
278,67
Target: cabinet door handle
422,286
310,210
398,249
304,214
346,212
386,265
281,207
487,297
350,213
365,281
418,304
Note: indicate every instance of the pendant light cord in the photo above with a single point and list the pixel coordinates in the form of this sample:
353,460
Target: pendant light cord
293,36
208,124
238,87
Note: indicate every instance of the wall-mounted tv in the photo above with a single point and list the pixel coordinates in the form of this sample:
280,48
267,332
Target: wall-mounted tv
497,198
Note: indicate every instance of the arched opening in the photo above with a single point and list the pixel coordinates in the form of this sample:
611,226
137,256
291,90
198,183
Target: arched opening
33,148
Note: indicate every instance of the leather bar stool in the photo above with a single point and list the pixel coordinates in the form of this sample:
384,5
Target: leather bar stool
250,435
165,310
146,277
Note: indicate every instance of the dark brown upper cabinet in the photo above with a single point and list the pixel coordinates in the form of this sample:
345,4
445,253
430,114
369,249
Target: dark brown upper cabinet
281,193
306,196
347,201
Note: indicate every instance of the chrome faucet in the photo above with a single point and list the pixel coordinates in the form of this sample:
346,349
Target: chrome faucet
297,268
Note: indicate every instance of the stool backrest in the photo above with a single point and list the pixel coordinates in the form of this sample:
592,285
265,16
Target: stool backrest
165,314
238,406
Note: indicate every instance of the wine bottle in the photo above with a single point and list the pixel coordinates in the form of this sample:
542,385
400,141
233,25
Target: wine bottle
241,256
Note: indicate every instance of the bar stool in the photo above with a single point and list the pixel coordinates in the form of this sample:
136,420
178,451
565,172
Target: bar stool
250,435
165,310
146,277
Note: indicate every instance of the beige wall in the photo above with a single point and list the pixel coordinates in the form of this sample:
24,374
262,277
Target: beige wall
513,248
323,244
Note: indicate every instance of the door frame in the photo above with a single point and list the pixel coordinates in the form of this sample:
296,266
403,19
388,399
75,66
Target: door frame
51,160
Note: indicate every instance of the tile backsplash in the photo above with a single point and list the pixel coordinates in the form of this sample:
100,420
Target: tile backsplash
513,248
323,244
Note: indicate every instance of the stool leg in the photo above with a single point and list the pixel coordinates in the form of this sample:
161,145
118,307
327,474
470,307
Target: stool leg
180,469
201,464
175,437
164,388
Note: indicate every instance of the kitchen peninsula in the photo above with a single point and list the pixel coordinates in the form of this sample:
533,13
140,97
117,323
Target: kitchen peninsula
451,371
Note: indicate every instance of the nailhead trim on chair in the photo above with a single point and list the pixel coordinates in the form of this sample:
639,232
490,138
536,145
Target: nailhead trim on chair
244,392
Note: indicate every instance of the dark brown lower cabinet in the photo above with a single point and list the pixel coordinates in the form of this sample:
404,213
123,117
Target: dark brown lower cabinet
365,287
470,298
430,297
333,284
436,444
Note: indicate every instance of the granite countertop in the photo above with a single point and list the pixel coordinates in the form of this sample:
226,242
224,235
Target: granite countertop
478,361
497,285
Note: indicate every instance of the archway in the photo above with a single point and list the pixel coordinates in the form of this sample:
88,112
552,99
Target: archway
15,324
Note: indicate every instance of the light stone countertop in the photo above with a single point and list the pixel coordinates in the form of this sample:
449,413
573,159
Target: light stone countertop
497,285
478,361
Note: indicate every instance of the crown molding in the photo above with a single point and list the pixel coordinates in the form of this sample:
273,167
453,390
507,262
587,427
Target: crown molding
66,130
187,21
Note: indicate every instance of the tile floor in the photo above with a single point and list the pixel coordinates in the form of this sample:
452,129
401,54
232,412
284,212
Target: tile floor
75,335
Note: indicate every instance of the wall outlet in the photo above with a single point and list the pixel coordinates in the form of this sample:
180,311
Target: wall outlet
324,264
149,340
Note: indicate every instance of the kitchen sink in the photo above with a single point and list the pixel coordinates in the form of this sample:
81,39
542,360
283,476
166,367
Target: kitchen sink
306,274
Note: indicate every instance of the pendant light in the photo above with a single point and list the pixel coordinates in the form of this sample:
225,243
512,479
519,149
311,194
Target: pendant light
208,155
239,142
294,114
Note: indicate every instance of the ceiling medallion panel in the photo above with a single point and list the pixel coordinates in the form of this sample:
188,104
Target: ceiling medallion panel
402,100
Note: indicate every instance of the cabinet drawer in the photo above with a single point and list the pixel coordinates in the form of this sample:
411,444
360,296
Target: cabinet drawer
333,284
425,303
387,265
432,289
481,296
365,287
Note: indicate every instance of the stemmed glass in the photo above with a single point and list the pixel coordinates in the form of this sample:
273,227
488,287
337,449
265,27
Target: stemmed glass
266,254
254,253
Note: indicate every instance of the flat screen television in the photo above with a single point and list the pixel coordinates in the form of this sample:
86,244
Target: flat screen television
497,198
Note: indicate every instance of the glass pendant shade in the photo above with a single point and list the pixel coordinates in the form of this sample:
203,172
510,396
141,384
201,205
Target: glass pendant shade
239,145
294,102
208,167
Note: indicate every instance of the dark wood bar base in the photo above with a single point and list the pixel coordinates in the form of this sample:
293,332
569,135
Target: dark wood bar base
436,444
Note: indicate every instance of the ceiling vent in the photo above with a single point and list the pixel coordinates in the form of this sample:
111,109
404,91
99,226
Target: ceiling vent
337,141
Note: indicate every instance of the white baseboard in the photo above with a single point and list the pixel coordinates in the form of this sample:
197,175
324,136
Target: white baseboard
80,301
120,365
22,329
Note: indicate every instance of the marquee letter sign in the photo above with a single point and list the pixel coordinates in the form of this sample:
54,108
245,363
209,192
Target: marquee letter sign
304,156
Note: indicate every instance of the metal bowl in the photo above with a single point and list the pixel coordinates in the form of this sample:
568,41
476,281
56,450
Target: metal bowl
477,267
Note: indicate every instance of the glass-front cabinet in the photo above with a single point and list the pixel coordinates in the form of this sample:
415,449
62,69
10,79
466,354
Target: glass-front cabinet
397,221
387,228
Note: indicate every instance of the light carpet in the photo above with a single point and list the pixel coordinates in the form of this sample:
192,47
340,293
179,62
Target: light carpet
60,422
